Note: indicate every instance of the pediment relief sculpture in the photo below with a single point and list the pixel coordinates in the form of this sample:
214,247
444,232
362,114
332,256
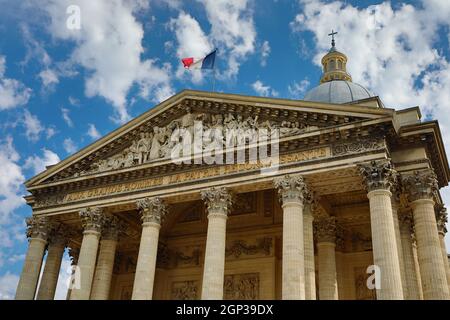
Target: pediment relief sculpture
215,130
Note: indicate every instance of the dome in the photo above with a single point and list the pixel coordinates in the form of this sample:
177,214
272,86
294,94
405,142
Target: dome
337,91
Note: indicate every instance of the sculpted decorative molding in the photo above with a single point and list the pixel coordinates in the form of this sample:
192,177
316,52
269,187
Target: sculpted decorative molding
240,247
441,218
38,227
59,234
291,188
182,259
420,185
361,289
152,210
185,290
241,286
378,174
204,173
217,200
92,219
358,147
213,129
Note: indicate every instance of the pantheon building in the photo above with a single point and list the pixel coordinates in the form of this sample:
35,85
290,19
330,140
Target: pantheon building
348,208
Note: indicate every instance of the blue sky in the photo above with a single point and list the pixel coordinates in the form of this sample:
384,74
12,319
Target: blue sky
61,89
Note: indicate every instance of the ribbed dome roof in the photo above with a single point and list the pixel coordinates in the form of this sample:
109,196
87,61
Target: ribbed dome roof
337,91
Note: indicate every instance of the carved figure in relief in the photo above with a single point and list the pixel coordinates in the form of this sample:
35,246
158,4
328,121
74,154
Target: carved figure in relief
158,139
218,131
143,147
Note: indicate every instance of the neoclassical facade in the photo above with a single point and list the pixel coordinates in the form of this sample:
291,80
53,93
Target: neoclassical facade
354,195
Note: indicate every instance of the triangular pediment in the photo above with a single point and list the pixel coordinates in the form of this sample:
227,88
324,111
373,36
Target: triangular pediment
146,139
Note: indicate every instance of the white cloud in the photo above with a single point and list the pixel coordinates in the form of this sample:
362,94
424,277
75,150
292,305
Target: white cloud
16,258
265,52
50,132
69,146
11,181
48,77
12,92
33,126
263,90
66,117
393,50
192,42
232,30
109,47
298,89
39,164
93,132
8,285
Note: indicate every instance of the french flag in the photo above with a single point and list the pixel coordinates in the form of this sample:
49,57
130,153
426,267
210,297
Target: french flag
204,63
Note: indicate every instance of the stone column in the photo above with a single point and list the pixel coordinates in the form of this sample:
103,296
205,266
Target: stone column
74,253
378,177
292,190
106,255
218,202
310,274
395,199
325,230
441,218
92,221
421,187
416,264
153,211
56,244
37,232
411,280
340,264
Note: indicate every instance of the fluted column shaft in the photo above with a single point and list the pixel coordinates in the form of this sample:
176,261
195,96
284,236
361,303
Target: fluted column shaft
92,220
105,263
326,253
416,264
411,280
218,202
49,280
37,231
378,176
429,253
385,253
398,241
310,274
153,211
292,190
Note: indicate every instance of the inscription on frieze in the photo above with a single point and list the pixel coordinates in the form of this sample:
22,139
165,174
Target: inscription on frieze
209,172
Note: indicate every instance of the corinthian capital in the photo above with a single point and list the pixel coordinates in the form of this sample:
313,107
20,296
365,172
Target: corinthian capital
420,185
152,209
325,229
378,174
92,219
291,188
441,218
112,227
217,200
59,234
38,227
